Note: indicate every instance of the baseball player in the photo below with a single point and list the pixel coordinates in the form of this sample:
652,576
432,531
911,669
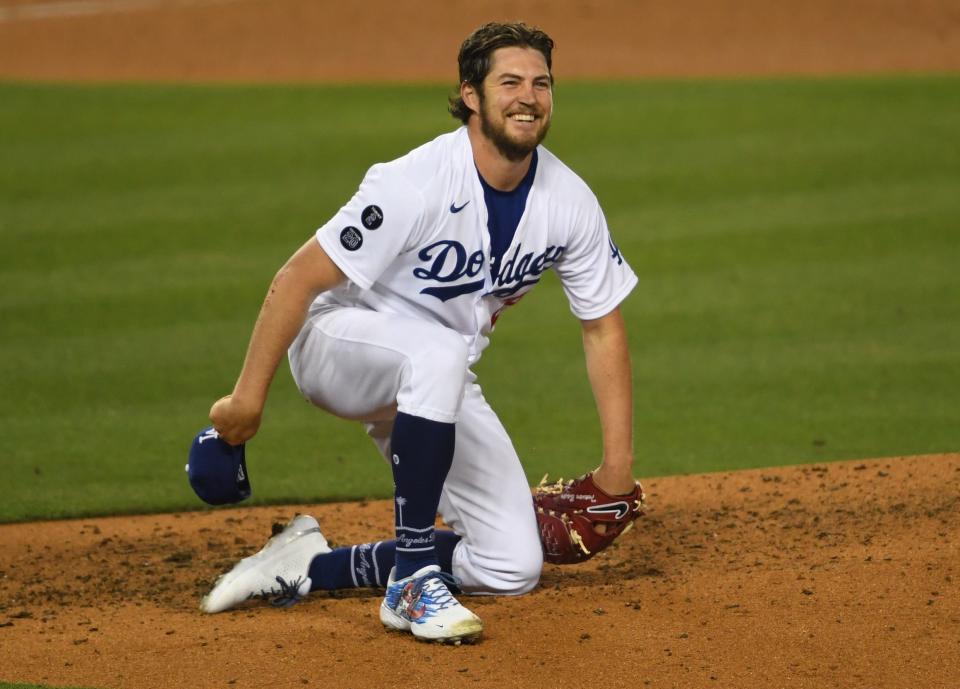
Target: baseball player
383,314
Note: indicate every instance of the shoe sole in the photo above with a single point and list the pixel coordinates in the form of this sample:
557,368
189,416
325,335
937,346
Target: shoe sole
467,632
467,639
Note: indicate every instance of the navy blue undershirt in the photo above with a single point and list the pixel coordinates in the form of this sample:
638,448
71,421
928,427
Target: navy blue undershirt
504,210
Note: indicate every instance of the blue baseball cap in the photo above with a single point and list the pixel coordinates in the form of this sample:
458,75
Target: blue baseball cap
218,470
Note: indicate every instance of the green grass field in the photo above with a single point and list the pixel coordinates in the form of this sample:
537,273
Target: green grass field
797,243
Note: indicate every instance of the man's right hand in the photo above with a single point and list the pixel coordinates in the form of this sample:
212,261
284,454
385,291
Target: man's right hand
235,421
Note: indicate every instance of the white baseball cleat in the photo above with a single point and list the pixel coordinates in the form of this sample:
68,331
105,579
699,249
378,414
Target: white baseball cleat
279,570
423,605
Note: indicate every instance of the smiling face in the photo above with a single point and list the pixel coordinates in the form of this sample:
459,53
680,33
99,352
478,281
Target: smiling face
515,102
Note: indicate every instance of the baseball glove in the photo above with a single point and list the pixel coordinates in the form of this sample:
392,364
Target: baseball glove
577,519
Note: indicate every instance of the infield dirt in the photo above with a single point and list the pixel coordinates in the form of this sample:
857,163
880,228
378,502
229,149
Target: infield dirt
841,575
296,40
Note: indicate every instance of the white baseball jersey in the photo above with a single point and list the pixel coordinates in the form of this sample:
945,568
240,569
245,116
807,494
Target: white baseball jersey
413,241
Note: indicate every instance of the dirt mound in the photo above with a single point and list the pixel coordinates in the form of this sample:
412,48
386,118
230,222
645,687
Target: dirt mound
838,575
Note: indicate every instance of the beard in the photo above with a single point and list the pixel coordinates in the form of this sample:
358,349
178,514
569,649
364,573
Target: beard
509,147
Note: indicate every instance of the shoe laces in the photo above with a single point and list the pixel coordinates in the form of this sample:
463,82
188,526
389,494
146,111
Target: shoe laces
287,595
437,585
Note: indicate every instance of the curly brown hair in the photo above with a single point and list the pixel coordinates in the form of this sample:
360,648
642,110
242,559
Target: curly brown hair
474,57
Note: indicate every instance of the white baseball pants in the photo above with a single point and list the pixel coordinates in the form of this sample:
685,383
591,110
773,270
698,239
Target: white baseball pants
364,365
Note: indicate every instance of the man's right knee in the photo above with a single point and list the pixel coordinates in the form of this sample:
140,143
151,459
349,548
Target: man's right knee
433,377
445,353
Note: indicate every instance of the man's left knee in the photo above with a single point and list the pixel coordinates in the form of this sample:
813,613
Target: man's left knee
528,571
516,576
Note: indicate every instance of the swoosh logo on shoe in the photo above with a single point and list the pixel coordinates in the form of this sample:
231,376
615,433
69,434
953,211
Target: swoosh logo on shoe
454,208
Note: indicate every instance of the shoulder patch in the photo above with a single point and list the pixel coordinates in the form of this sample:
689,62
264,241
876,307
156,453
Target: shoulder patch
372,217
351,239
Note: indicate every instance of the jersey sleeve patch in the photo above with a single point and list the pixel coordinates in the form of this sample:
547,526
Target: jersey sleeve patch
374,227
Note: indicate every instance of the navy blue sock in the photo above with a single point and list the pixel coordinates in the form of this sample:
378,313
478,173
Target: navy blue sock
422,455
368,565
